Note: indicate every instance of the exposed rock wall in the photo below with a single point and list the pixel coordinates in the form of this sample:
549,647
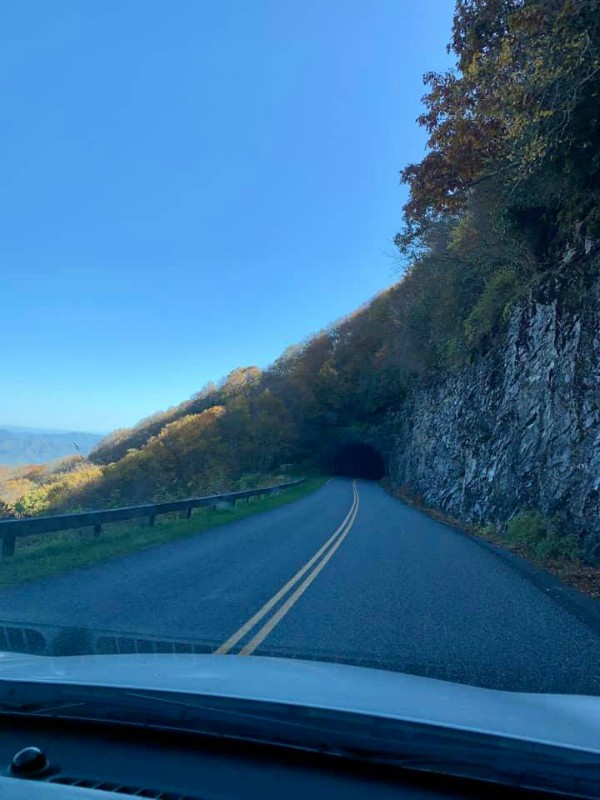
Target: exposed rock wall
520,427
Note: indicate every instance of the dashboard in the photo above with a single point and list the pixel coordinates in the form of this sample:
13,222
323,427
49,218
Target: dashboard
91,761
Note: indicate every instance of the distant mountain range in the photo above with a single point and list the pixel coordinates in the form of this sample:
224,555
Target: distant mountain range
35,446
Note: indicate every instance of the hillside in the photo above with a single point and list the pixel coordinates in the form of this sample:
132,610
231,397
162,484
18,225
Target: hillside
29,447
499,237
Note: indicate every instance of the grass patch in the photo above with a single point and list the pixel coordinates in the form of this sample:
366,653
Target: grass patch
46,555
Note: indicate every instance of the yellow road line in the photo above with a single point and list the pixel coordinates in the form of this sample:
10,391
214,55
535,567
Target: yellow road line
262,612
266,629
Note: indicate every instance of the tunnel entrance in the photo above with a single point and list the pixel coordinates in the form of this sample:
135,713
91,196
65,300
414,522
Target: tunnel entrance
357,460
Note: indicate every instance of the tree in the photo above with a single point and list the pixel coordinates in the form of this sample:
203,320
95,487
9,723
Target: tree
522,100
6,512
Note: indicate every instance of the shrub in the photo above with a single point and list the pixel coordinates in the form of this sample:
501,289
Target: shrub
590,550
34,503
493,304
542,536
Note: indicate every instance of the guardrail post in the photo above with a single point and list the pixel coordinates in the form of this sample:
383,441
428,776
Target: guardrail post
97,530
8,546
189,513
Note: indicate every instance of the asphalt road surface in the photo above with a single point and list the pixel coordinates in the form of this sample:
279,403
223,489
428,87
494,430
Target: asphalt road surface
347,574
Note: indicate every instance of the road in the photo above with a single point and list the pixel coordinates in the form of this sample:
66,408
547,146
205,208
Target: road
347,573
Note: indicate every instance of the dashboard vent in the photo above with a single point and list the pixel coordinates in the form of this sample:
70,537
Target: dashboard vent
17,639
110,645
122,788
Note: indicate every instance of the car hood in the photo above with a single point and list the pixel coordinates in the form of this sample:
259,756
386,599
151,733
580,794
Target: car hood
564,720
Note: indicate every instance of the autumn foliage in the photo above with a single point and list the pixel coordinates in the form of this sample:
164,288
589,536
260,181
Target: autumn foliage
521,107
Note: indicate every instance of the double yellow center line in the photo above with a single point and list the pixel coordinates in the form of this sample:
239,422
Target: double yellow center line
313,566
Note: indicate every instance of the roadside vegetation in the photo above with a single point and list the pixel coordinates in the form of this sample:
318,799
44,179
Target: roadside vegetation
547,543
541,536
43,556
507,194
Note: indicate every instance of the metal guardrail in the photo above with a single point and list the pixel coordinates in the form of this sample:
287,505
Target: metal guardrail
11,529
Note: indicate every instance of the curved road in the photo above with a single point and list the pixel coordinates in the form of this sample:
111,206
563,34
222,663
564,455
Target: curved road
347,573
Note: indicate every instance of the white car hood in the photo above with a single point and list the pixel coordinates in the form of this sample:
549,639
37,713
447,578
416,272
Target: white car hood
564,720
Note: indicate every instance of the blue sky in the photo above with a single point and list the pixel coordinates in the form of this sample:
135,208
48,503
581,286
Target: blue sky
192,186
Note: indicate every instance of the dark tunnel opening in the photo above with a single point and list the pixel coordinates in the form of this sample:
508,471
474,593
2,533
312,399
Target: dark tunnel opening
356,460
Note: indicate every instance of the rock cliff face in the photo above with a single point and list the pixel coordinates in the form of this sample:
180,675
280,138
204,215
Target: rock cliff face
520,427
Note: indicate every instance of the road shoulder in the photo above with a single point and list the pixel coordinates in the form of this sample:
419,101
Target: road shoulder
585,607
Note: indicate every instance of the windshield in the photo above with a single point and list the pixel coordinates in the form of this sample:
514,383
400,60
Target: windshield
300,311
